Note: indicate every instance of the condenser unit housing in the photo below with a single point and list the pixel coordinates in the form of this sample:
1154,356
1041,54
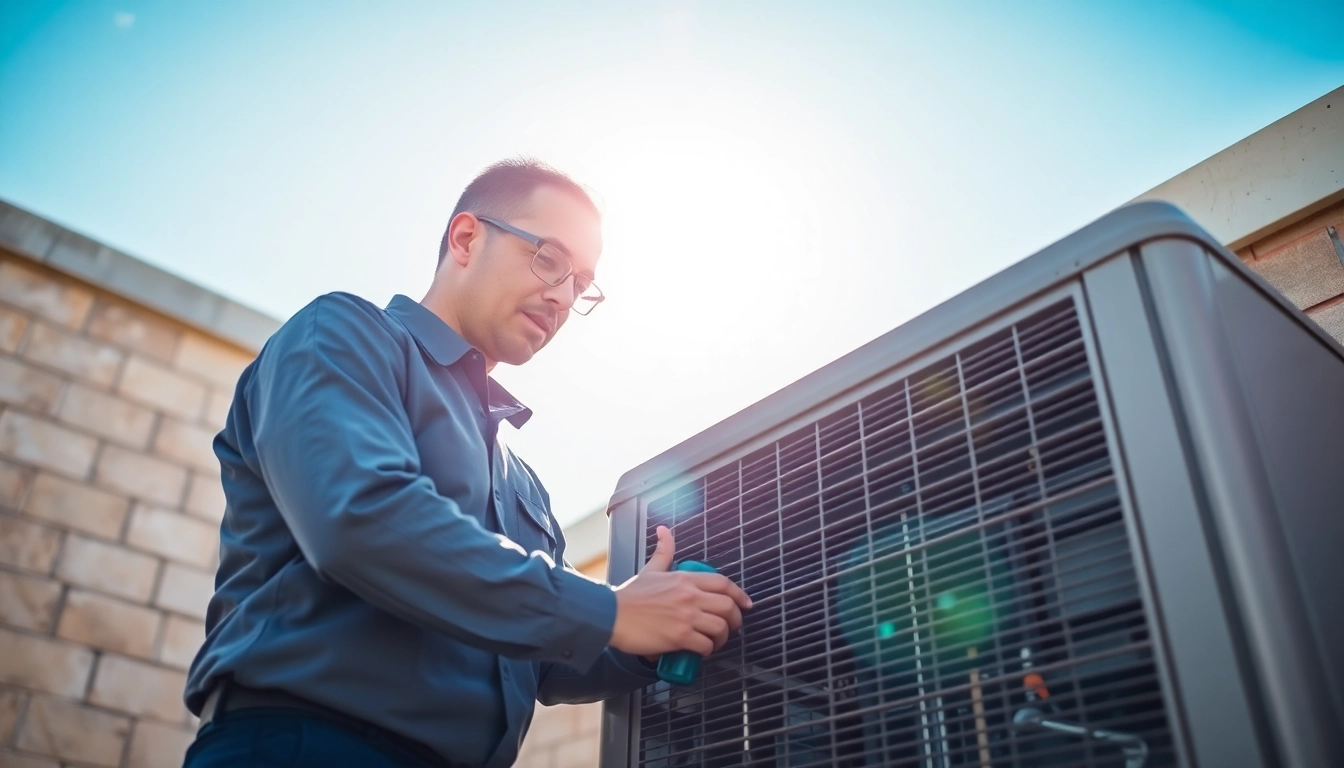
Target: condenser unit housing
1087,513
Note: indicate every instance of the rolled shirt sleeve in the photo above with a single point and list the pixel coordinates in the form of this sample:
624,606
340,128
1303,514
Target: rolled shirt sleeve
336,448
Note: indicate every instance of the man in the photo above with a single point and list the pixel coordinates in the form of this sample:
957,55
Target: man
391,588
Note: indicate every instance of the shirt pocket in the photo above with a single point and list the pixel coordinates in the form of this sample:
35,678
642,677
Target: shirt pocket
536,530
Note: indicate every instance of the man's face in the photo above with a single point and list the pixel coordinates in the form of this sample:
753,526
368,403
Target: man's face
506,311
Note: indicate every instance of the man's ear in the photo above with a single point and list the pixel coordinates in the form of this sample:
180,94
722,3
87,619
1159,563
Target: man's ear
463,232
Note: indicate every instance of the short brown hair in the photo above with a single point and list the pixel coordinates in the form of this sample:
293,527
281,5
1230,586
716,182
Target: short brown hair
501,189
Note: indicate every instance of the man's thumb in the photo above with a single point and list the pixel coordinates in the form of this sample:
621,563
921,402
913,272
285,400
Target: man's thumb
662,554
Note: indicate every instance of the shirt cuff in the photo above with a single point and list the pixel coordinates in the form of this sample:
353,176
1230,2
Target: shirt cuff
585,617
635,665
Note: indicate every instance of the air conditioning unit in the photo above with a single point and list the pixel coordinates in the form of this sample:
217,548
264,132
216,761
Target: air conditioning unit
1088,513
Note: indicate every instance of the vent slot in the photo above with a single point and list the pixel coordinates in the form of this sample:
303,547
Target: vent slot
928,564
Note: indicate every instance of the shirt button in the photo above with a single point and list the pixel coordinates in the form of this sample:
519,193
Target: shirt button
567,654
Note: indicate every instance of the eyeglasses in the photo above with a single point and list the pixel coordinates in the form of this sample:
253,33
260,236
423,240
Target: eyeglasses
552,266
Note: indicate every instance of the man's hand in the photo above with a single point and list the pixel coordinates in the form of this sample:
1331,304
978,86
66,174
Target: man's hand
660,610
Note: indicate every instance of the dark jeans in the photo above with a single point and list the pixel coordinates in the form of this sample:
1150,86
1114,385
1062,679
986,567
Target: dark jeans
290,738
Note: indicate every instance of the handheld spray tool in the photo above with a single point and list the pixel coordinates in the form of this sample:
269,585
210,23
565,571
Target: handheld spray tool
682,667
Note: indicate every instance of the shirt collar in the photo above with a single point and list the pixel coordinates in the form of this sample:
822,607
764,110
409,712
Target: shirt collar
446,347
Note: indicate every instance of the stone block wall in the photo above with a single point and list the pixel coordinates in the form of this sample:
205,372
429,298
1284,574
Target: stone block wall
109,518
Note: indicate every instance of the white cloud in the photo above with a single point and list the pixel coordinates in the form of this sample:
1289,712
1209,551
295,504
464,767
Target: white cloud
123,19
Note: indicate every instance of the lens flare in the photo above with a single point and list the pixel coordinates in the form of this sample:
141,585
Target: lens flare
913,604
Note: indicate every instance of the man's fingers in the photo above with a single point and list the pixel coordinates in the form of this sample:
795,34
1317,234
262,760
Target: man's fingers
713,628
721,638
713,582
698,642
725,608
662,554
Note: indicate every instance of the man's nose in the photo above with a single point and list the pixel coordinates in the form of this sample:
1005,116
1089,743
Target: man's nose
561,295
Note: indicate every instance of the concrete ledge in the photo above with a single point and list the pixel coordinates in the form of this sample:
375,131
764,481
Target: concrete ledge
1269,180
36,238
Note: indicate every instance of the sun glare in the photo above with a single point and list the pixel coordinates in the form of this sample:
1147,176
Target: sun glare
714,213
726,256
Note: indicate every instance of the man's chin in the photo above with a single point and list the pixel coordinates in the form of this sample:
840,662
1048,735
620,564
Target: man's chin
519,354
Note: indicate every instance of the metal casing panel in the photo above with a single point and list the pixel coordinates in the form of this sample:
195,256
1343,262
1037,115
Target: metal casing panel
1236,365
1207,695
623,561
1294,390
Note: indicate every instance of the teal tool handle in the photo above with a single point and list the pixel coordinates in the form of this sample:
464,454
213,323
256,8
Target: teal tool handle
682,667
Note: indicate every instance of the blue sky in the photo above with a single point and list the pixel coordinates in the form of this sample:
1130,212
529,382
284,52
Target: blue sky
781,181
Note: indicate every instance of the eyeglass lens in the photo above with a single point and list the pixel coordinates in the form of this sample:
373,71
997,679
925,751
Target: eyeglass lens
553,266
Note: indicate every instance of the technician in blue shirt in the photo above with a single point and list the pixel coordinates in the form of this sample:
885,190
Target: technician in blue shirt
391,588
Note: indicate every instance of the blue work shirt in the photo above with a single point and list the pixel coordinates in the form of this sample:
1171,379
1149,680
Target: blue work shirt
384,554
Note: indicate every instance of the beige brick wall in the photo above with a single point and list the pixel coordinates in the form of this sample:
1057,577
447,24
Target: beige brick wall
563,736
566,736
1301,261
109,513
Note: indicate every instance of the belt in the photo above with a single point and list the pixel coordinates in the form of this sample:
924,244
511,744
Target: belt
228,696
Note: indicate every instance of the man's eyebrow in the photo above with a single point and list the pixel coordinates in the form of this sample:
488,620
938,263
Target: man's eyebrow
556,242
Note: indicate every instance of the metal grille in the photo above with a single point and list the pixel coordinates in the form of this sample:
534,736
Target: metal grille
942,577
